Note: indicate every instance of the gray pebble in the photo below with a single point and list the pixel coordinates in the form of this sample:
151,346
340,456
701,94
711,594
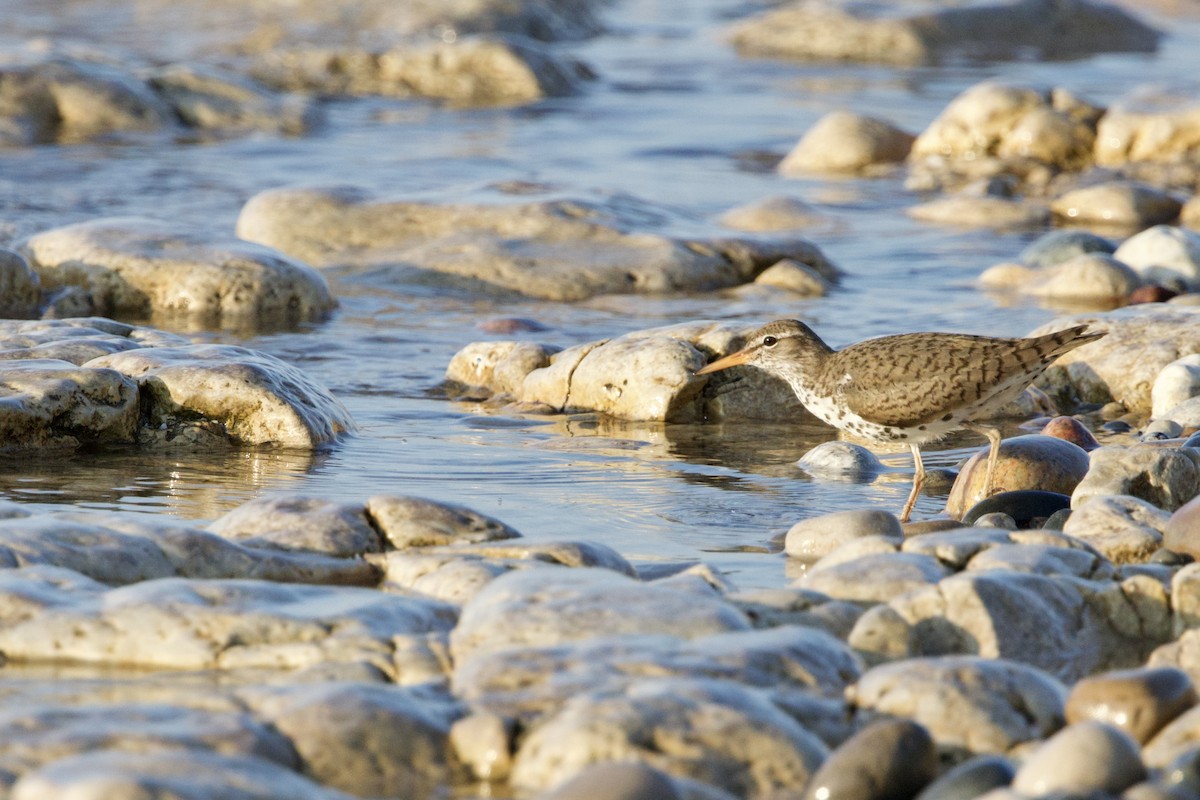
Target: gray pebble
996,519
617,780
888,760
971,778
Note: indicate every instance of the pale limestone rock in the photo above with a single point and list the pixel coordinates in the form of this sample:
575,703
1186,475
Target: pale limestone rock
62,100
813,538
1138,701
624,780
1062,624
551,606
78,339
370,740
1005,29
20,289
452,577
46,403
1177,382
411,522
1081,758
1166,477
795,277
186,774
1127,530
252,397
483,742
1007,276
717,732
843,141
468,71
557,250
874,578
1178,737
525,682
1185,598
981,212
210,98
292,522
1152,123
771,608
135,266
1123,365
177,623
776,213
1044,559
1121,204
1165,255
1090,277
968,704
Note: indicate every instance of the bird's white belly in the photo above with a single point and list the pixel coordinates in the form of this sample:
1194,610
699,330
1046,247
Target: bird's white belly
826,410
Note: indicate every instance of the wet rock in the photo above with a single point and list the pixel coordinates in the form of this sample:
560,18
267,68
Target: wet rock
1122,204
525,682
1177,382
370,740
1090,277
77,341
483,743
1175,745
873,578
468,71
841,461
20,289
408,522
1164,255
138,267
771,608
1082,758
119,549
1127,530
717,732
795,277
843,141
1024,508
990,212
549,606
958,546
1058,246
557,250
968,704
620,780
62,100
1071,430
777,213
1067,626
53,404
1044,559
995,120
247,396
998,30
971,778
300,523
887,759
1028,462
1166,477
178,623
187,773
813,538
1123,365
1181,534
212,99
1138,701
1152,123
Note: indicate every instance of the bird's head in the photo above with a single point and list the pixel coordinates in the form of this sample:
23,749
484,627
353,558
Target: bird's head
779,347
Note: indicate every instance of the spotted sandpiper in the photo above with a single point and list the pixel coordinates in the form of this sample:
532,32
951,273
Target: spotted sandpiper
913,387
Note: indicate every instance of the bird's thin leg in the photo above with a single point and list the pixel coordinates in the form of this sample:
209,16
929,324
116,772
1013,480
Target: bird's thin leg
918,481
993,437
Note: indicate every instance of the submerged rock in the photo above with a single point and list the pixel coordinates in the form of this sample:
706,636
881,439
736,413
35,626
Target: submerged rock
1003,29
1151,123
1120,204
557,250
209,98
842,141
140,267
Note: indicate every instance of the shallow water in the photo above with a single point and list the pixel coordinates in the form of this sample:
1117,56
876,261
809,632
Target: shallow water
676,119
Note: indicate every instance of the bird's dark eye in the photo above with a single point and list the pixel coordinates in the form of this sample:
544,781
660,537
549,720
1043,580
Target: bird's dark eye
769,341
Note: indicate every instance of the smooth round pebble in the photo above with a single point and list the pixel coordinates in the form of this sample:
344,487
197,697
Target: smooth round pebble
842,141
888,760
615,780
1057,520
1081,758
996,519
1138,701
1120,203
1023,507
841,461
1071,430
815,538
1029,462
1161,429
1063,245
1182,533
971,778
794,276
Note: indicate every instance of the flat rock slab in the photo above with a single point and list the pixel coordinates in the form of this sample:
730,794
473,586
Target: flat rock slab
251,397
910,34
557,250
177,623
77,340
301,523
50,404
135,266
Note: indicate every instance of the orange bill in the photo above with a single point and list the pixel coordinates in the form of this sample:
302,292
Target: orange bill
731,360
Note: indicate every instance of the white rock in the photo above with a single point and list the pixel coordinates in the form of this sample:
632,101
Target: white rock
1164,254
1177,382
842,141
1166,477
813,538
1125,529
1081,758
291,522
